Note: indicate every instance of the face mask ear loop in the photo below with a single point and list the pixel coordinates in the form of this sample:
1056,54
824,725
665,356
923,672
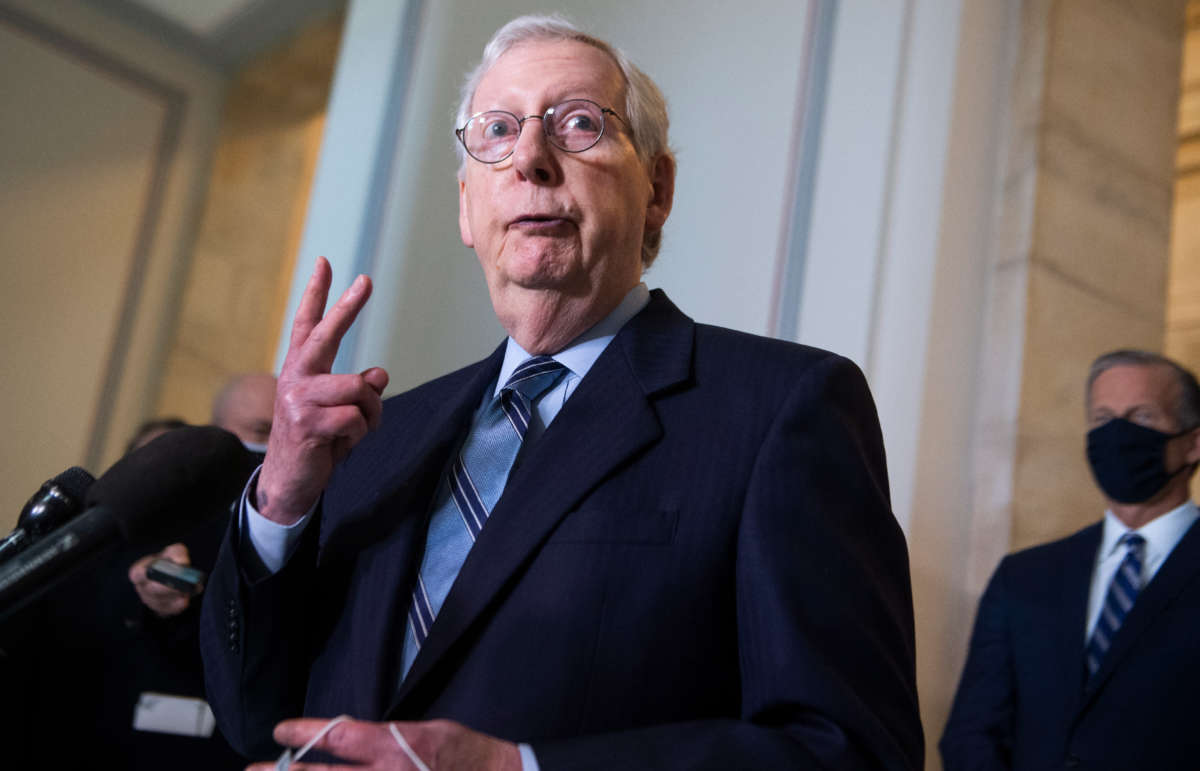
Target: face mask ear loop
416,761
287,758
1184,467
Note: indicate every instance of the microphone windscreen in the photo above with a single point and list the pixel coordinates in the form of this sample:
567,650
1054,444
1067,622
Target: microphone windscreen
174,482
56,501
74,482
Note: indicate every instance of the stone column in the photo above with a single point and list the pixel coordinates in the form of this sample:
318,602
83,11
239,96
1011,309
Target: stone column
1183,281
1077,266
1080,265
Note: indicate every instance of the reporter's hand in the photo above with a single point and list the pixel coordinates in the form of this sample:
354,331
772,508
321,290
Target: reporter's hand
441,744
160,598
318,416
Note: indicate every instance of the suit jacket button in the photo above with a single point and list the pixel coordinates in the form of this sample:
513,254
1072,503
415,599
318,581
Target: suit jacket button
1072,761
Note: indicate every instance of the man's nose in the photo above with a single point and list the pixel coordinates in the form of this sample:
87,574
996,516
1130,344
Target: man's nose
533,157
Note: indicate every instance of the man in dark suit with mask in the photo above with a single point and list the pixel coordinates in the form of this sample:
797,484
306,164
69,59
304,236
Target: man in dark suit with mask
1084,649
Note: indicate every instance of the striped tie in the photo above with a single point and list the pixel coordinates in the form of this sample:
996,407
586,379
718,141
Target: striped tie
470,490
1122,593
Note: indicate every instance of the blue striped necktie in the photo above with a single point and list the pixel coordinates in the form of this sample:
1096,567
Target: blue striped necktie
470,490
1122,593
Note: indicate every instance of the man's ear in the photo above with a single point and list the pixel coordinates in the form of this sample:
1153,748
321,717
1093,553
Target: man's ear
464,222
662,192
1193,450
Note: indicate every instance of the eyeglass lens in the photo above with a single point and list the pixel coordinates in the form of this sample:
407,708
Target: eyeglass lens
573,126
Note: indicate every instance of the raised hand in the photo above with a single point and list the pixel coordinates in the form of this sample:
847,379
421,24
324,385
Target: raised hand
318,416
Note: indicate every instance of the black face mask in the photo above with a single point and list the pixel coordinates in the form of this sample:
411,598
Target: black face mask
1129,461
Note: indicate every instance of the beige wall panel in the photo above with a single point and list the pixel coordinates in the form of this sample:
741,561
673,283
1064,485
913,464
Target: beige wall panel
1069,324
75,170
1183,343
1059,495
1109,62
1183,287
1183,291
1189,110
1102,222
191,380
1187,159
100,180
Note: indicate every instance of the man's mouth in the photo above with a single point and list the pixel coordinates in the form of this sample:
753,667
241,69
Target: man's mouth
540,222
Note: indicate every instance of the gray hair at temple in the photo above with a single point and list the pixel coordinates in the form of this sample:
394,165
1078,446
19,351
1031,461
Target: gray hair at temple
1187,406
645,107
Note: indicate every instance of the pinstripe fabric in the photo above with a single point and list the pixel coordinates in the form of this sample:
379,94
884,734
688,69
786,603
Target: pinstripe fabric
469,491
1122,593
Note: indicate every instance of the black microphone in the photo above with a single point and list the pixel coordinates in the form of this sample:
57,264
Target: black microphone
58,500
161,490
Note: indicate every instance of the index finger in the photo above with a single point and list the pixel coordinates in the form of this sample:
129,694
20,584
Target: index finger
312,303
298,731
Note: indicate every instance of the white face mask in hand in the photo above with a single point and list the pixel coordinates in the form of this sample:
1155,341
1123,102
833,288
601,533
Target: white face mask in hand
287,758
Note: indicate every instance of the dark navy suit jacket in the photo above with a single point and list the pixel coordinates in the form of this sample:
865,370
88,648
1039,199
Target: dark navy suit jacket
1024,701
696,566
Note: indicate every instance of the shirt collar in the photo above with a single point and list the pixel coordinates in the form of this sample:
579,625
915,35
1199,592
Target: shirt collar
1161,533
582,352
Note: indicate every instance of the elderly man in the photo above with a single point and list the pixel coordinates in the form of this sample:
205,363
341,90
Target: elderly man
624,540
1084,652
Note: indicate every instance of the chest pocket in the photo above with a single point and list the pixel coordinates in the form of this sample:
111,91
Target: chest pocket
595,524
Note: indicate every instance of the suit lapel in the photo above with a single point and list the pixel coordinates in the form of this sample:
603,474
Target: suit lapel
418,448
403,460
404,464
1071,619
607,420
1181,567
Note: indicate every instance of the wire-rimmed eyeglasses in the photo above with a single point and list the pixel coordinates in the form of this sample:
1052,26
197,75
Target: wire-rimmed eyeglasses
572,126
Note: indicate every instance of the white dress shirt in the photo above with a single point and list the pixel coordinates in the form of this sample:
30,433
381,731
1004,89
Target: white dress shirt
1162,534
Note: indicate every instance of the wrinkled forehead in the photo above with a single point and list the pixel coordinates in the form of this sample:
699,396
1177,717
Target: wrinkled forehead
542,72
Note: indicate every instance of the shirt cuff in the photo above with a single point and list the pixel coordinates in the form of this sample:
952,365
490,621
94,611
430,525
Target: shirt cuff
528,759
273,542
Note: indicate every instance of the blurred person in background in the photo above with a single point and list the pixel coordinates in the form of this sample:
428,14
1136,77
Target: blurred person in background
1084,649
116,654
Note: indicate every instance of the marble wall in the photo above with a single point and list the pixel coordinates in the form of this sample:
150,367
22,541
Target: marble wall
1101,141
1076,265
1183,285
233,305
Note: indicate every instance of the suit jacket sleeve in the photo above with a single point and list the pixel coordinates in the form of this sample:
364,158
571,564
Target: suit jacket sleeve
824,608
979,731
256,674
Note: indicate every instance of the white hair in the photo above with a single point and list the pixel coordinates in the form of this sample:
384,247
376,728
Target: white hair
645,107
